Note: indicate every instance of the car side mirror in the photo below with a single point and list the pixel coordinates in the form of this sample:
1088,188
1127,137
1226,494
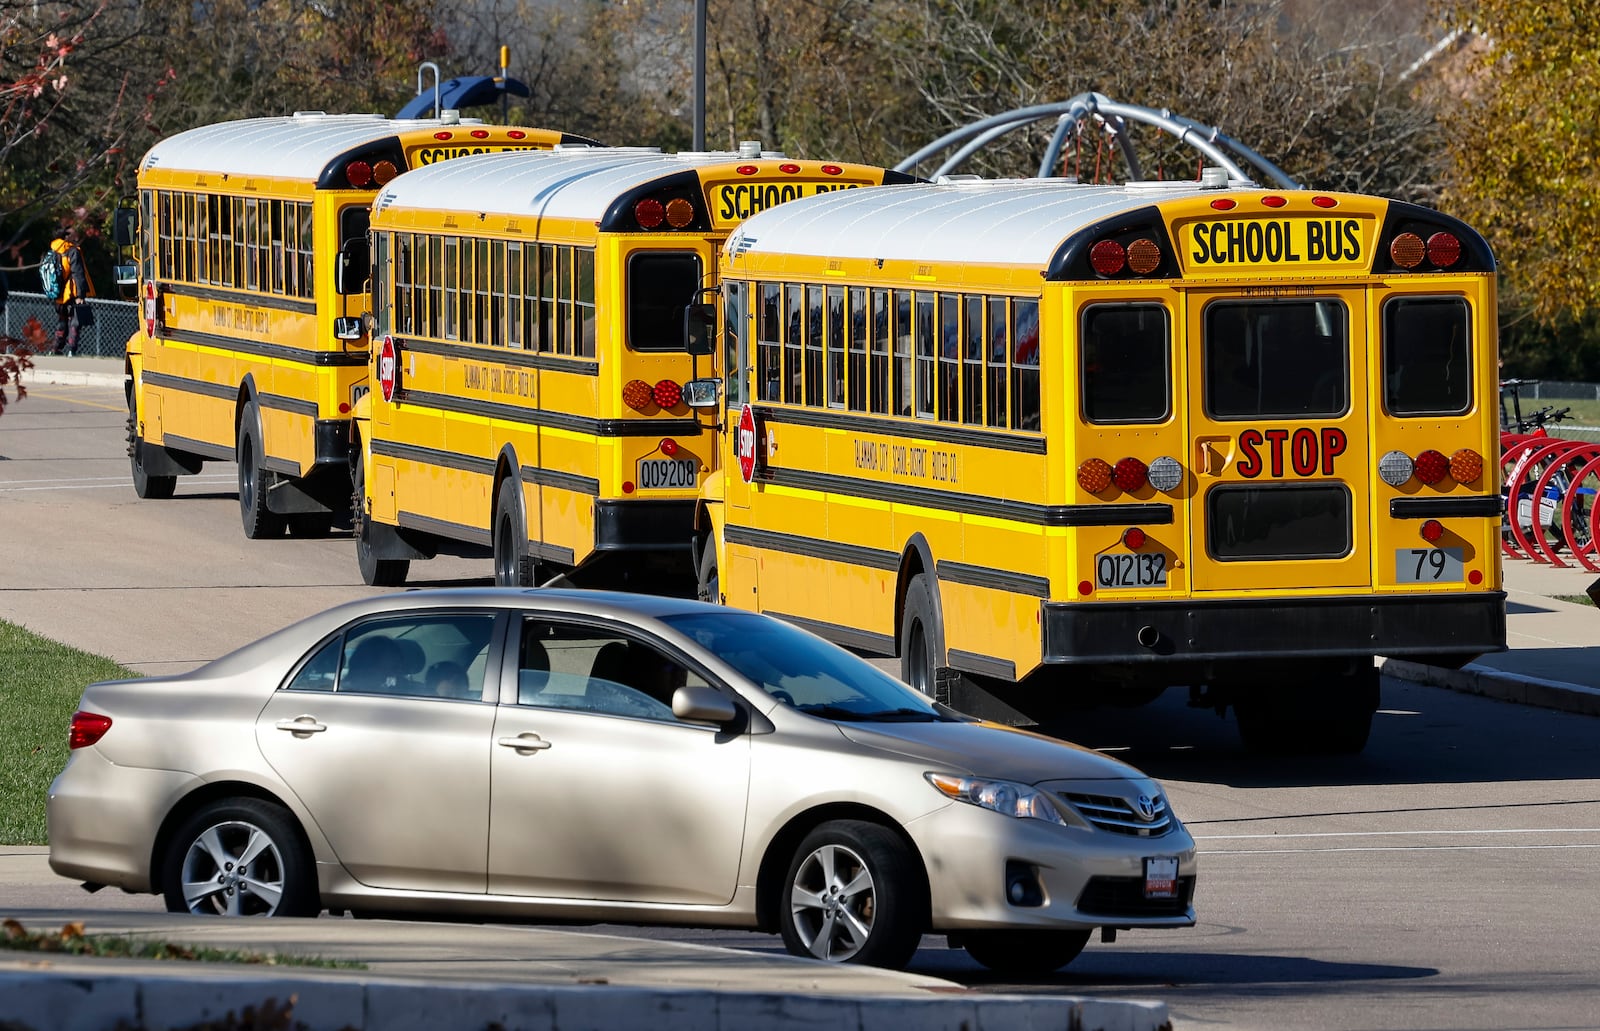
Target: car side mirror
699,323
703,705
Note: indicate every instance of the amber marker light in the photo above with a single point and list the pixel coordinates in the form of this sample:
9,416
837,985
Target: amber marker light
1466,465
1094,475
636,395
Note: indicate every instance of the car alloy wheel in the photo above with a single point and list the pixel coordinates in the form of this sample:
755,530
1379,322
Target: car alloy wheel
834,903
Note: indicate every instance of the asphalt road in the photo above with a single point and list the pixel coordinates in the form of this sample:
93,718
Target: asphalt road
1443,879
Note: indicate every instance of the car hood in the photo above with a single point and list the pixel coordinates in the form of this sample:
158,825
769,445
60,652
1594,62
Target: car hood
989,750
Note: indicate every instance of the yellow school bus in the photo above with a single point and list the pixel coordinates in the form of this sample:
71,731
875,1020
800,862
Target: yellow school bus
1054,444
252,267
535,395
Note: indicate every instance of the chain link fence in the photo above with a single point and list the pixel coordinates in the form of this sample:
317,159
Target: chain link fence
103,333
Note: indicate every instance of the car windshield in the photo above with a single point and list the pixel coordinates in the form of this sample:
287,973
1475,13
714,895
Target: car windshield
804,671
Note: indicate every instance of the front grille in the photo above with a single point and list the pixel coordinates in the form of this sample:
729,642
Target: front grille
1117,815
1124,897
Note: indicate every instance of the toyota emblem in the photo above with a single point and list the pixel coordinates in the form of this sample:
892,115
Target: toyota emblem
1146,807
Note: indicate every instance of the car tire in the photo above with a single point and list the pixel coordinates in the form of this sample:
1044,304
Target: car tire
852,895
259,522
1024,952
276,877
145,485
375,572
920,639
708,582
511,565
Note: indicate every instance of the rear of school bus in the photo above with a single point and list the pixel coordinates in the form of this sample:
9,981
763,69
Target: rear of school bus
582,460
253,282
1283,405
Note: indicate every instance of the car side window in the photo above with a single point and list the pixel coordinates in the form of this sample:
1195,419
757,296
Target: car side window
592,669
427,655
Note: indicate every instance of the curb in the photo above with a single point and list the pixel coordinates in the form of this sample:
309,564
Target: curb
1474,678
80,999
71,378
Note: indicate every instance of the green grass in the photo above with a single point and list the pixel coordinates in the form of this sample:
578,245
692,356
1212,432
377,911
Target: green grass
1576,599
71,940
1584,412
40,684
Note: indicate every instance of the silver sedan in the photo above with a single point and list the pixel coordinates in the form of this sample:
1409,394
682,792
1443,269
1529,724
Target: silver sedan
590,756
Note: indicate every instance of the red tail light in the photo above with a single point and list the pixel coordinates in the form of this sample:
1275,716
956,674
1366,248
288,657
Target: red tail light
1432,467
667,394
1324,202
789,169
516,134
1130,474
1432,530
1444,249
831,169
1224,204
443,134
636,395
480,134
1273,201
1108,257
649,213
1133,538
87,728
669,447
359,173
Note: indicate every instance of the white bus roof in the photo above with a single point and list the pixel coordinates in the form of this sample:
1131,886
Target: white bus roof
567,182
297,146
992,221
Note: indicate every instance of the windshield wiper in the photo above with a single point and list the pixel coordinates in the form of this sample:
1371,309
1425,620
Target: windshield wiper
836,712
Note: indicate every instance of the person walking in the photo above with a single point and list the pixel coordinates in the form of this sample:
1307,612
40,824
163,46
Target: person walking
76,288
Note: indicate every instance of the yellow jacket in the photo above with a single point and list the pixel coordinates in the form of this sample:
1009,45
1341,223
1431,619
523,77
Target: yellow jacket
77,285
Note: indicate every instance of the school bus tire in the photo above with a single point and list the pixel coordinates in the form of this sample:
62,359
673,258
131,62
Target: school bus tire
708,583
146,485
921,637
511,565
254,480
375,571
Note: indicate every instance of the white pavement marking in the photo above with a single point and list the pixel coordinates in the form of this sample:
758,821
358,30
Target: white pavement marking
1388,848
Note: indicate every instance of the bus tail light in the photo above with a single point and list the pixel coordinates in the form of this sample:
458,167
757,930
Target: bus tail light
1431,467
87,728
667,394
669,447
1144,257
679,212
1432,530
383,171
1108,257
1133,538
1395,468
359,174
1165,474
1444,249
1130,474
1094,475
649,213
636,394
1407,250
1466,465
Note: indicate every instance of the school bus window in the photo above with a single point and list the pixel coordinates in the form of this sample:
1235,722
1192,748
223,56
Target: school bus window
1125,356
857,349
814,346
1278,521
769,341
661,284
995,370
1025,413
904,379
513,298
450,318
530,297
927,354
734,337
949,355
200,230
833,347
384,304
1282,359
972,361
307,251
878,389
584,274
793,342
1427,356
164,231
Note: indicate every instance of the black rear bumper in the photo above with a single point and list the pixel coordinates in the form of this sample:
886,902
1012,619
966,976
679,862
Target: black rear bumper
1461,625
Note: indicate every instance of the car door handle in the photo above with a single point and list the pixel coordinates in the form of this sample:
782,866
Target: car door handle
529,742
301,725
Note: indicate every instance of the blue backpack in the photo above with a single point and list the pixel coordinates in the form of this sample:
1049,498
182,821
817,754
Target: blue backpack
52,276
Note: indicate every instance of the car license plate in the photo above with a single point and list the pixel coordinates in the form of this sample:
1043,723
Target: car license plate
668,473
1161,877
1429,565
1114,569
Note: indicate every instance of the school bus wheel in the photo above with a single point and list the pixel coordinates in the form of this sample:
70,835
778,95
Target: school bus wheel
146,485
254,479
921,639
709,584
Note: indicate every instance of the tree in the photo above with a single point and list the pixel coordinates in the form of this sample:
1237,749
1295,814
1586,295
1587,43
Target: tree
1525,147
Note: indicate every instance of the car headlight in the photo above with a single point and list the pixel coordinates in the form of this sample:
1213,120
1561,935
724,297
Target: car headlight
1023,801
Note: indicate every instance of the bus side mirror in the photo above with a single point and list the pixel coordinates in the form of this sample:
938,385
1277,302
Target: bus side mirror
354,266
699,323
701,393
127,275
123,227
348,327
